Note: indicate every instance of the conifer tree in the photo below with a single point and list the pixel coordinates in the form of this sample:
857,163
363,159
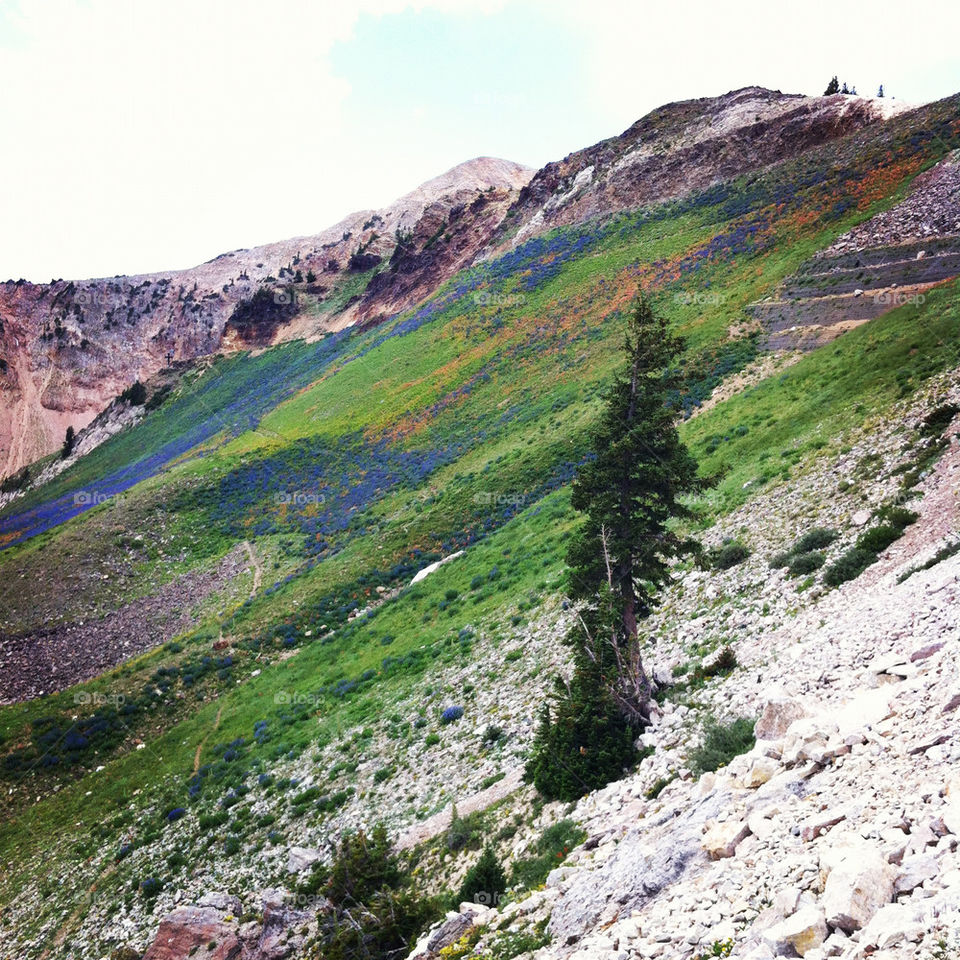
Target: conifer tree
832,87
619,559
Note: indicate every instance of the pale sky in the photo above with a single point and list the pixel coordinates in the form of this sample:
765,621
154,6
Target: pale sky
147,135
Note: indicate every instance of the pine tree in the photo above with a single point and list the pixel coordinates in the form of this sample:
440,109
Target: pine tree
832,87
880,91
68,442
619,559
485,881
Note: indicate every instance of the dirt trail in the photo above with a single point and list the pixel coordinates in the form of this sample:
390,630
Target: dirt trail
203,742
257,569
71,920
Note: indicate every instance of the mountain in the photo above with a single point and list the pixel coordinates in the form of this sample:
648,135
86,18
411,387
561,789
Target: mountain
68,348
311,578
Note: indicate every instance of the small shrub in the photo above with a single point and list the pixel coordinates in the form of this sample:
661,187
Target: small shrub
816,539
492,734
849,566
659,786
464,832
721,743
935,422
431,739
384,773
729,555
149,887
781,559
899,517
135,394
451,715
551,848
485,881
806,563
877,539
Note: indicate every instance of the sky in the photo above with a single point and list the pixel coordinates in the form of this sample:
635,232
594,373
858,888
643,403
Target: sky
149,135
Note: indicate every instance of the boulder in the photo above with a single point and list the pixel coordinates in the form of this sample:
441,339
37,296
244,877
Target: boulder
859,881
721,839
914,871
802,931
759,772
778,713
819,823
891,925
301,858
186,930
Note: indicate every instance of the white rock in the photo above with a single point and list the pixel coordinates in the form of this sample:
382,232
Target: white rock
804,930
859,881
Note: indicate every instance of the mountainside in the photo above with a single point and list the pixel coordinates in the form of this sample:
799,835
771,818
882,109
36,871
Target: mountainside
68,348
311,578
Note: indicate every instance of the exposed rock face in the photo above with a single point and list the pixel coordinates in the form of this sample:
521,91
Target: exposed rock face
213,928
684,147
69,348
189,929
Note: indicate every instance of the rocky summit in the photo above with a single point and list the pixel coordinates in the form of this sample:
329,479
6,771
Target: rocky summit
287,617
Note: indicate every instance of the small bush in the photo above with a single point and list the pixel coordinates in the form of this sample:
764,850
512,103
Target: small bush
135,395
729,555
464,832
877,539
849,566
451,715
659,786
816,539
552,846
935,422
384,773
781,559
806,563
150,887
431,739
899,517
492,734
721,743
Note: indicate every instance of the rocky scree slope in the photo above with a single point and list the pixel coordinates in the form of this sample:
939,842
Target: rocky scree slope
889,260
835,836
